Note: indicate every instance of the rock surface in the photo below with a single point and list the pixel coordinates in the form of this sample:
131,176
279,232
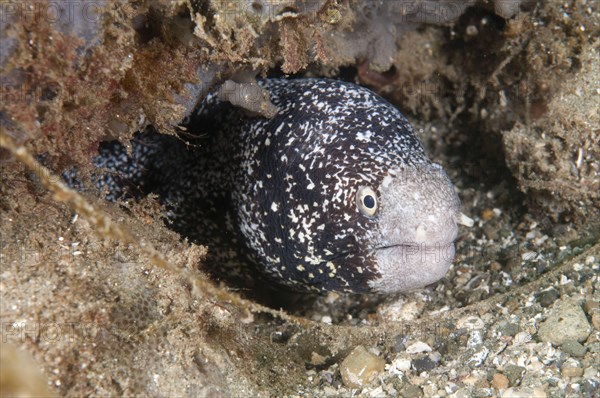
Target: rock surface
508,104
567,322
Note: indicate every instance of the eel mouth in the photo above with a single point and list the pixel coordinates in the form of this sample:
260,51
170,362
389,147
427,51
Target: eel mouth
406,266
420,252
414,246
397,245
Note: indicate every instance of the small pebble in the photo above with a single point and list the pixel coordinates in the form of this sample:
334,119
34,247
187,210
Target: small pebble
317,359
487,214
472,30
399,344
418,347
589,388
567,322
508,329
411,391
573,348
490,231
591,373
514,373
569,371
360,367
521,338
524,392
424,364
430,390
548,297
591,306
534,365
593,347
499,381
495,266
378,392
596,320
400,365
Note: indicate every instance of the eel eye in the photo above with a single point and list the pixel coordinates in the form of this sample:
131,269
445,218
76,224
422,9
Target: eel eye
366,201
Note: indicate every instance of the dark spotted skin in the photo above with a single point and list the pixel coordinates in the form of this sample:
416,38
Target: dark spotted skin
277,193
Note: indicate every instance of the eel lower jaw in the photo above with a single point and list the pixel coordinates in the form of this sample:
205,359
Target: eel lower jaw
407,266
416,247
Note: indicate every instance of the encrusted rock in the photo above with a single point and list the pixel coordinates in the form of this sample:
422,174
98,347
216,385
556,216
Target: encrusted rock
567,322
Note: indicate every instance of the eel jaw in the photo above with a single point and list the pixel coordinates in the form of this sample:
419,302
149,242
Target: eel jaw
406,267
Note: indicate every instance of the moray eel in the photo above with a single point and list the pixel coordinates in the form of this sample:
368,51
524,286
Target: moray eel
334,193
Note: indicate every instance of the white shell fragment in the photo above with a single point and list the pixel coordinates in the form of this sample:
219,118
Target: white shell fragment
465,220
